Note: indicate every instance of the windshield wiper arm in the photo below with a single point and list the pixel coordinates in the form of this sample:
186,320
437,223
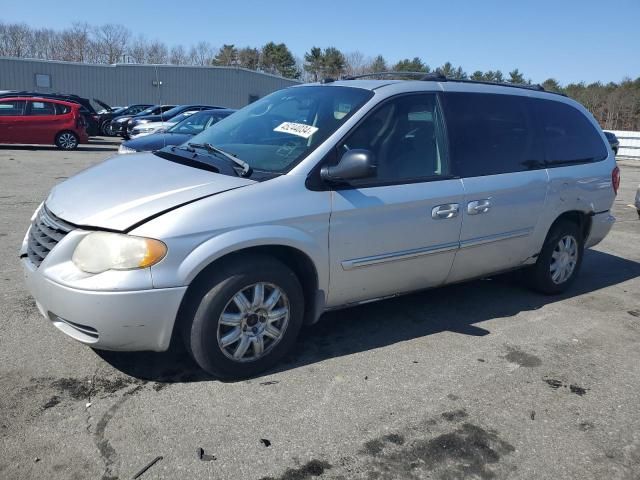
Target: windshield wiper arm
246,168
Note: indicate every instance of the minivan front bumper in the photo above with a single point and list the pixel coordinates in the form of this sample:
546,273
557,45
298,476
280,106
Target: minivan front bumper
107,320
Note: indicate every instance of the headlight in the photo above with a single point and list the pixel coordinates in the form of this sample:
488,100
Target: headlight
124,149
102,251
142,121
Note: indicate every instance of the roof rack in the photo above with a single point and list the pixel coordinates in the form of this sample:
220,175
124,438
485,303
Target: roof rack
438,76
422,75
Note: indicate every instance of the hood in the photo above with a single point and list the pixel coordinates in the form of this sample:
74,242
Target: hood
127,189
156,141
102,104
154,125
150,118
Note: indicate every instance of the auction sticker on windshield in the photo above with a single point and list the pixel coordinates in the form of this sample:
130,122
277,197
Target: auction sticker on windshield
299,129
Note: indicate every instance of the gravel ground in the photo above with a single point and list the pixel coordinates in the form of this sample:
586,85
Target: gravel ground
481,380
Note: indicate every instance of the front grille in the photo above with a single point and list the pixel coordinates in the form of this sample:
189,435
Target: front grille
45,233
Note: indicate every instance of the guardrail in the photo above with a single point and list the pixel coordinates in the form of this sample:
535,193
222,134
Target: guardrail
629,143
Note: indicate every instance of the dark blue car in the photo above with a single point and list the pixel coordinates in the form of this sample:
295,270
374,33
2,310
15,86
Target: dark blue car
178,134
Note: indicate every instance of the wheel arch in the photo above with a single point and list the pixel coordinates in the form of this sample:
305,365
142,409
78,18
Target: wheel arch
291,247
582,219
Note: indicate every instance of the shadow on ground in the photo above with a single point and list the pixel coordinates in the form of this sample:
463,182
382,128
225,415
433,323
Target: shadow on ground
383,323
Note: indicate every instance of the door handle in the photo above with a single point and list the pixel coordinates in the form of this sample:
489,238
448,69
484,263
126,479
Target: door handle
448,210
479,206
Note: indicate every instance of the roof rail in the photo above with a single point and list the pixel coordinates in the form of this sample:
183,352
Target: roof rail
438,76
381,74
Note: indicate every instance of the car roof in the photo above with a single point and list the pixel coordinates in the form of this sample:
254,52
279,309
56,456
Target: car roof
43,99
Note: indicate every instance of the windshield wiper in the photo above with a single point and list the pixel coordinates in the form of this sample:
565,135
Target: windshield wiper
246,168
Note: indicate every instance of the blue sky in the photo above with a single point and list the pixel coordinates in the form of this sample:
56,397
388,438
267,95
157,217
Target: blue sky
570,40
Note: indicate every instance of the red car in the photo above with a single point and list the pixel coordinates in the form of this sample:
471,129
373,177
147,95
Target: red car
42,121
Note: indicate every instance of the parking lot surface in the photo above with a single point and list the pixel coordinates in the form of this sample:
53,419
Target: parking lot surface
480,380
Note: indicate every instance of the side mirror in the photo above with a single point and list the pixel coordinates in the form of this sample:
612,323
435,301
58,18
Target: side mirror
354,164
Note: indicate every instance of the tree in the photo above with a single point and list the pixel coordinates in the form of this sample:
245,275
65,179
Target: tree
449,71
249,58
334,62
227,55
178,56
415,65
552,85
157,53
356,63
314,63
516,77
74,44
379,64
111,42
477,75
201,54
278,59
138,50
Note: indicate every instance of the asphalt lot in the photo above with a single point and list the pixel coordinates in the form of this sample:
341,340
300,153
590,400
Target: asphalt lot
481,380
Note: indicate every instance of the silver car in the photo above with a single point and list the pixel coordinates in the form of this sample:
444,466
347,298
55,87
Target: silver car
314,198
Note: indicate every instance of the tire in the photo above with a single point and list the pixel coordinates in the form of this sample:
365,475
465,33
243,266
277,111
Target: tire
567,258
67,140
107,129
205,336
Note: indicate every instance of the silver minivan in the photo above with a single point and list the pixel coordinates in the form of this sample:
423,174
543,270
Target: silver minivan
314,198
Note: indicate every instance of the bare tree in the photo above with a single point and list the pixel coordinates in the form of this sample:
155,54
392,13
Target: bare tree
157,53
16,40
201,54
75,44
46,44
138,50
178,55
356,63
111,42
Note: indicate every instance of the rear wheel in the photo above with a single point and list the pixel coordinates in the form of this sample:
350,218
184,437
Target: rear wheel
243,318
67,141
560,259
107,129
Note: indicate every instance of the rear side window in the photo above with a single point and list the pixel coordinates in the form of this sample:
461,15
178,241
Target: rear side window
569,137
491,134
62,109
12,108
41,108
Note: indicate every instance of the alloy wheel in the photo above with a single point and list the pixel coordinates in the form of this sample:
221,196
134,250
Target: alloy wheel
68,141
253,322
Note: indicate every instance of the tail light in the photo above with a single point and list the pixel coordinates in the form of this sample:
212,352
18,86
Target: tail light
615,179
81,121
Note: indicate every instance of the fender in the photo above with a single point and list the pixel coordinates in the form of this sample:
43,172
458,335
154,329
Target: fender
255,236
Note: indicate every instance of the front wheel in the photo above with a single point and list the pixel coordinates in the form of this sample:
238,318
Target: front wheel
560,259
243,318
67,141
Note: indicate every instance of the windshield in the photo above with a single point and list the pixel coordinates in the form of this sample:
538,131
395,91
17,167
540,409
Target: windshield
148,111
279,130
174,111
182,116
194,123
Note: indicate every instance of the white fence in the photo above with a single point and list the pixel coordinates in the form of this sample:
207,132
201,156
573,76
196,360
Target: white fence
629,143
